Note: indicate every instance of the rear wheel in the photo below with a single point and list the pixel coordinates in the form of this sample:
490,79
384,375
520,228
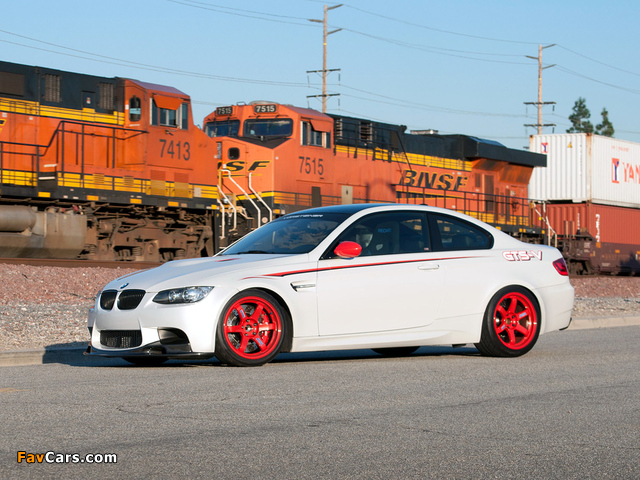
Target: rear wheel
251,330
511,323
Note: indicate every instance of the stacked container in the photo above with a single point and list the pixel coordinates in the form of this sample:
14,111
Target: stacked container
592,188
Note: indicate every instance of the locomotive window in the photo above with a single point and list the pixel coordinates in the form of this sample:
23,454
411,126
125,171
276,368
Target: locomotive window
184,116
225,128
233,153
12,83
135,112
314,137
164,116
272,127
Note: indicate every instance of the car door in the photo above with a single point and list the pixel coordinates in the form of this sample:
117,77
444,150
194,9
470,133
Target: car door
395,283
468,263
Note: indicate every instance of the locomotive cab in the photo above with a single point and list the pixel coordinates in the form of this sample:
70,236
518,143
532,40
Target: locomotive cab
101,168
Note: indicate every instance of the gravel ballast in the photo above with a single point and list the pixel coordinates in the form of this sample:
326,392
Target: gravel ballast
47,306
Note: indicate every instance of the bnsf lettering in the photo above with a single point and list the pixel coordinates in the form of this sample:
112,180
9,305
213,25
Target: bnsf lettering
522,255
443,181
237,165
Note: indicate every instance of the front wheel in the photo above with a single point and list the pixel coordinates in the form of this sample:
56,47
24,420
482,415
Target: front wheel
251,330
511,323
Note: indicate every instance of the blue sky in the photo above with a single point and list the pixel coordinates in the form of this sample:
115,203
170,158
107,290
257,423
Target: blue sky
454,66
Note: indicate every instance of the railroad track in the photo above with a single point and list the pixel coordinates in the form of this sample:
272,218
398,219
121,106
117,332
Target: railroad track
55,262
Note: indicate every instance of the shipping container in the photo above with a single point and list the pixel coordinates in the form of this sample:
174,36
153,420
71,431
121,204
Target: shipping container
605,223
597,238
586,168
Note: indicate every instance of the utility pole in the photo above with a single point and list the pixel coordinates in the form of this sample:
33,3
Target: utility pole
540,103
324,70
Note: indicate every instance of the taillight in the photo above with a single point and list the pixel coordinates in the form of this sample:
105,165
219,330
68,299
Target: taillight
561,267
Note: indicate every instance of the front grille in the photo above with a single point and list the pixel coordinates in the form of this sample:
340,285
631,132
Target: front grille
130,299
121,338
107,299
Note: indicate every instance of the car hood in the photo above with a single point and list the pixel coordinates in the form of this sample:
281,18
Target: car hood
210,271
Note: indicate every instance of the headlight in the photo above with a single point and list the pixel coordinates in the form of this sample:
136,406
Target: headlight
182,295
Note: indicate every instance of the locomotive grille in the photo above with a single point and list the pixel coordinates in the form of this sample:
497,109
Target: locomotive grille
130,299
121,338
107,299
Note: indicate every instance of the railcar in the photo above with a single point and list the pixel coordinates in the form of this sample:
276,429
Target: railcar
591,193
101,168
275,159
115,169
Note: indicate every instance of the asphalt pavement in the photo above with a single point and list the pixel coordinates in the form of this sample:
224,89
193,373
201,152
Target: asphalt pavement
76,355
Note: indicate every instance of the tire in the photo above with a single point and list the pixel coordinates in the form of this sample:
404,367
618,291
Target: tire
251,329
395,351
511,323
145,361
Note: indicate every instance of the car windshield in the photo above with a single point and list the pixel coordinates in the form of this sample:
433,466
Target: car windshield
293,234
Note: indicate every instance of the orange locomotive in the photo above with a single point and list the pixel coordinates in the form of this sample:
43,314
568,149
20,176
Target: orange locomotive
276,158
101,168
111,168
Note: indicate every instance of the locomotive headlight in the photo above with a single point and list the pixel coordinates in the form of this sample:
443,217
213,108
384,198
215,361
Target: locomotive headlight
182,295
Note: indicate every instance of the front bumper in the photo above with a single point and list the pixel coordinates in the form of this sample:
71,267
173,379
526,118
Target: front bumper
154,349
172,343
176,331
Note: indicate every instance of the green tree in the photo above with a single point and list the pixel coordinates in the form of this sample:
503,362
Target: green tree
606,127
580,118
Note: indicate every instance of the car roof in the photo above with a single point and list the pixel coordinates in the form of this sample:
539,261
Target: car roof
351,209
348,209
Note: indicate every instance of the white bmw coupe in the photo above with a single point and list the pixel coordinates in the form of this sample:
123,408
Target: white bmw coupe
387,277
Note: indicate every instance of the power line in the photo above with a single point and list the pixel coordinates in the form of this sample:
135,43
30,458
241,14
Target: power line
580,75
439,30
142,66
599,62
422,106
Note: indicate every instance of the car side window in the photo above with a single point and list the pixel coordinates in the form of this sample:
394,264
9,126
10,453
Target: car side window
450,233
389,233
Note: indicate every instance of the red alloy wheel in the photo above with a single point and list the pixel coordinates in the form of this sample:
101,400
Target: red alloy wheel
252,328
515,320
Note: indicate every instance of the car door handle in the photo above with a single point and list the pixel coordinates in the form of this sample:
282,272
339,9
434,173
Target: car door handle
428,266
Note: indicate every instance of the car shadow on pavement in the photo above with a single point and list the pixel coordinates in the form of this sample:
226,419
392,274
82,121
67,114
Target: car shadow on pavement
73,354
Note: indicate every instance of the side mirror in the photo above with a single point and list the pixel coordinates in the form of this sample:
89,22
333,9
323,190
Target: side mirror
348,250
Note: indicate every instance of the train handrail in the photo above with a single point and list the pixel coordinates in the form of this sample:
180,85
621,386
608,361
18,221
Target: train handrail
235,210
221,204
260,198
228,172
544,217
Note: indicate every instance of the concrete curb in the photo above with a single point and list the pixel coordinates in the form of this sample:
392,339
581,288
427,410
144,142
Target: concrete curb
600,322
74,356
